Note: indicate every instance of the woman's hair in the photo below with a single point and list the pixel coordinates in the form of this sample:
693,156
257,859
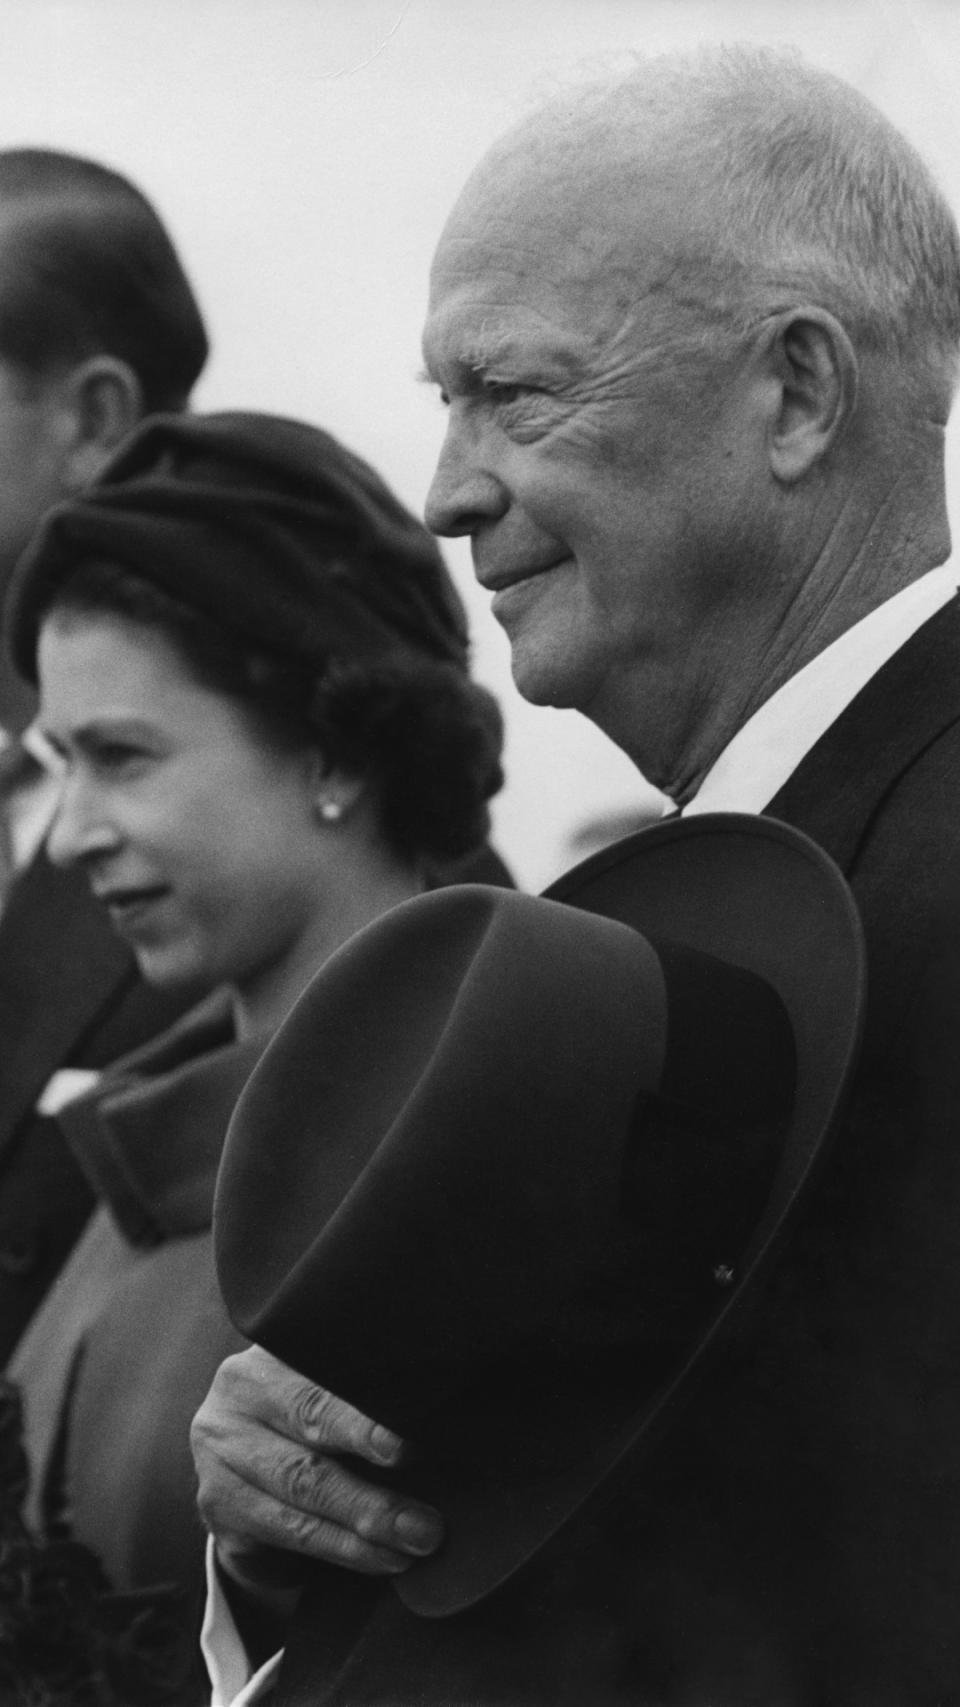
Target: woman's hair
426,737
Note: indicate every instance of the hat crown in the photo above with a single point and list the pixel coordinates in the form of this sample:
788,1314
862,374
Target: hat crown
266,524
497,1173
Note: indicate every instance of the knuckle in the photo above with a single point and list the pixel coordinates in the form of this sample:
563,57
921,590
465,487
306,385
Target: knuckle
306,1533
327,1420
310,1482
224,1398
207,1437
355,1551
232,1373
371,1515
314,1406
213,1499
206,1463
207,1506
317,1414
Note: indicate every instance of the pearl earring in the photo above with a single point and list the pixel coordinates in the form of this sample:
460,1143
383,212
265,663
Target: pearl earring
331,811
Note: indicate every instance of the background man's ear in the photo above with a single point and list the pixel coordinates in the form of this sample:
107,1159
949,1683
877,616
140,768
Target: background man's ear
105,400
816,369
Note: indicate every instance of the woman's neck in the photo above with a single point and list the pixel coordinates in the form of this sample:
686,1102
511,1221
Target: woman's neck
263,1001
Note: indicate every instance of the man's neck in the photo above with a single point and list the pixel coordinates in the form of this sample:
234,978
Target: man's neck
675,722
771,745
866,560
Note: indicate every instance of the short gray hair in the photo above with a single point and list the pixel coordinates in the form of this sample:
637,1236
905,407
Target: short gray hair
813,195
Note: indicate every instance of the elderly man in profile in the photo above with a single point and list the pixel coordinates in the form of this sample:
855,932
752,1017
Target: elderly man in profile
697,333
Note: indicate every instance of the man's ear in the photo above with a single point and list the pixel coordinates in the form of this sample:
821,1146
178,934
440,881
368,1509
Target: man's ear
815,370
104,398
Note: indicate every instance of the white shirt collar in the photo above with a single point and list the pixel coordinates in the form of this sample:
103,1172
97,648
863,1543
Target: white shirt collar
762,755
234,1682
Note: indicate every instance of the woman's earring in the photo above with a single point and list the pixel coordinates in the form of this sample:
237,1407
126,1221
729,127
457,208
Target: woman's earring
331,811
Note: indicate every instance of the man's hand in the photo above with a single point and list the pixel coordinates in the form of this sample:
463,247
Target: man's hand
272,1491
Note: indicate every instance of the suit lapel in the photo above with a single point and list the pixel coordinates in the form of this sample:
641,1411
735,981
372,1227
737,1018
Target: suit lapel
836,789
60,966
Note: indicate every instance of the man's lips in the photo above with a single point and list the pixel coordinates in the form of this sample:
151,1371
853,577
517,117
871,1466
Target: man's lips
498,580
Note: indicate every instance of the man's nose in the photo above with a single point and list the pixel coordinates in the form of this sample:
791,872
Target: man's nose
82,828
465,491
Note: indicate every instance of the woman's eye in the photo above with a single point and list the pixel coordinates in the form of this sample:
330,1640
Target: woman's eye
113,754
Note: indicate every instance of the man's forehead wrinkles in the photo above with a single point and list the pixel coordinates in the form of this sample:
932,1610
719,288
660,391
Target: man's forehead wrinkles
549,265
480,331
497,234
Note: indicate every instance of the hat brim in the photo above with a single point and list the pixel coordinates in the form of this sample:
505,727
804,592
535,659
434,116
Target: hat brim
754,893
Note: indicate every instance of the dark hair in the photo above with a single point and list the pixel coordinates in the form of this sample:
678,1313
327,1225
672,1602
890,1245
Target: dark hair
87,268
426,737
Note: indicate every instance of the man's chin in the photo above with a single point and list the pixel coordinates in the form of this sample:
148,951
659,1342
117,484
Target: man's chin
553,656
541,678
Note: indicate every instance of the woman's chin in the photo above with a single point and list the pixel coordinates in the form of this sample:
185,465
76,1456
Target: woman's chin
173,966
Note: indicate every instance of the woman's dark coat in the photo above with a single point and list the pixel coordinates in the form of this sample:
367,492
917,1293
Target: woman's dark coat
123,1351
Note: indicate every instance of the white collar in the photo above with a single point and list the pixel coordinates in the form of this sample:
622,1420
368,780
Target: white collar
762,755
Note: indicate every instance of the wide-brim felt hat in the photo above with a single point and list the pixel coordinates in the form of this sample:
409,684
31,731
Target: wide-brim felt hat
510,1173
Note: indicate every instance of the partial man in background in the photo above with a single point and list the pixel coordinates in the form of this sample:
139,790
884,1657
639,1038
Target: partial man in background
99,326
697,331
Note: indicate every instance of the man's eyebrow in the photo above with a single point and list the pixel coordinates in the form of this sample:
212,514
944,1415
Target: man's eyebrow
465,370
483,351
505,357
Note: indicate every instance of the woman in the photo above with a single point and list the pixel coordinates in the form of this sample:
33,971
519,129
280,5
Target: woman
252,664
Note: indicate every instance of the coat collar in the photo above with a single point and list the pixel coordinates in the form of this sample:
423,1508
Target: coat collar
149,1136
59,964
70,993
836,789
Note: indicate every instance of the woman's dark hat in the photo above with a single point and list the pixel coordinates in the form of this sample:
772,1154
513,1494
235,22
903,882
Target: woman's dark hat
267,525
511,1170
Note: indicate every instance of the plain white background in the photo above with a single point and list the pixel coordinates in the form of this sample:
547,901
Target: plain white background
305,153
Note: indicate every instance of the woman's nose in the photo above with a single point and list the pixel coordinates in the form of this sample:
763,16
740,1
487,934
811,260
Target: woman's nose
82,828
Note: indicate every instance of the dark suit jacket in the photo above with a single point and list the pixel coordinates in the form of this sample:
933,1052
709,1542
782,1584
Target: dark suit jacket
69,996
796,1541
